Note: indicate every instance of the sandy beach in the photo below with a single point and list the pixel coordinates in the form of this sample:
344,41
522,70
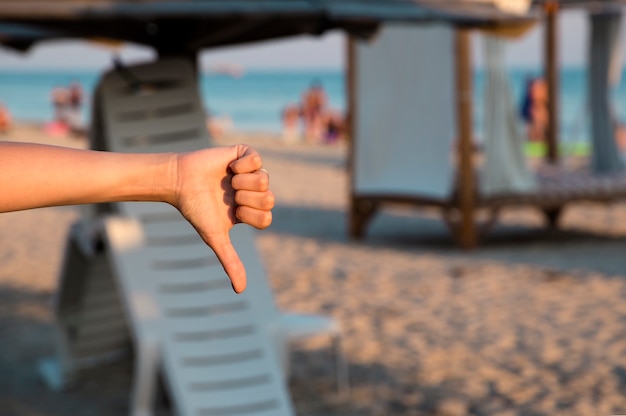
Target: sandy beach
531,323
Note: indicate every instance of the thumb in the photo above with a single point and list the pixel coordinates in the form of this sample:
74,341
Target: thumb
231,262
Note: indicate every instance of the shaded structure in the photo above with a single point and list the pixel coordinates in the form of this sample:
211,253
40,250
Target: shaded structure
465,203
178,27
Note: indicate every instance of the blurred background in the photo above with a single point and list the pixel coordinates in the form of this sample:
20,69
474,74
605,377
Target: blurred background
252,84
530,323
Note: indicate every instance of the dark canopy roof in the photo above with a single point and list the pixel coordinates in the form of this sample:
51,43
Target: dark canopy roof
190,25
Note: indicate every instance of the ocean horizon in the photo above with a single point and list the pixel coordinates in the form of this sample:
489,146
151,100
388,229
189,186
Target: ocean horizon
254,101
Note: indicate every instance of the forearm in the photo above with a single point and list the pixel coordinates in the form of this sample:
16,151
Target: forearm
212,188
33,176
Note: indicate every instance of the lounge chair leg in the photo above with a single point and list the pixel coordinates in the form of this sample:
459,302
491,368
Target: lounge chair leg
146,367
361,213
343,380
484,227
552,216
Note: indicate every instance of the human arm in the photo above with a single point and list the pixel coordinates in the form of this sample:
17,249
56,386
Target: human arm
213,188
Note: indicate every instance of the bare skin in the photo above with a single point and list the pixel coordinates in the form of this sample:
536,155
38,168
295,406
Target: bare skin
213,188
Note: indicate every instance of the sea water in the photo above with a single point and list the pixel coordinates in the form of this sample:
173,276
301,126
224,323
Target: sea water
255,100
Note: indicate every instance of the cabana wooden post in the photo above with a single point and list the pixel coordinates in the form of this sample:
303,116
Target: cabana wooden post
466,234
551,70
551,74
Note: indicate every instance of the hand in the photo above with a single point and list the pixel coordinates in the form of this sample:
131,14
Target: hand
217,188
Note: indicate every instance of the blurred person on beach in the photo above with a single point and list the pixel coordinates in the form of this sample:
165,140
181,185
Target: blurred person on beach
213,188
290,122
620,138
218,126
5,119
313,109
59,97
334,126
534,109
59,126
321,124
73,112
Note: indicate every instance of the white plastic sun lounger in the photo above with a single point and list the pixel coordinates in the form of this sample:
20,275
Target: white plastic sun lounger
159,110
174,101
91,325
163,244
213,347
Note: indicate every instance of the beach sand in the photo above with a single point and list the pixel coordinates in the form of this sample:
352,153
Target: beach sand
531,323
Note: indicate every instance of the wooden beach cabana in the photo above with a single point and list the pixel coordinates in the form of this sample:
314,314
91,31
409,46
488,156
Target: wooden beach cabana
428,158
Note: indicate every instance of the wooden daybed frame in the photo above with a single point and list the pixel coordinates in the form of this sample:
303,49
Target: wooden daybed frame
553,193
461,210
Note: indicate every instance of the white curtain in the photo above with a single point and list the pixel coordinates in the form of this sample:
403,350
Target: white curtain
505,168
604,65
405,112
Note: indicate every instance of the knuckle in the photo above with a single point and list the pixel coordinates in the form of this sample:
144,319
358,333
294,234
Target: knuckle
239,214
256,160
239,198
265,220
269,201
235,182
264,182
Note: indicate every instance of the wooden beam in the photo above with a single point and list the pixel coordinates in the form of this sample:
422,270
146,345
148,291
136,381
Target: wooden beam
350,86
467,236
356,222
551,70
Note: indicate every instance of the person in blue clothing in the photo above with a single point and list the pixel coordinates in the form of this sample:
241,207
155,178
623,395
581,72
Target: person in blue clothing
526,101
534,109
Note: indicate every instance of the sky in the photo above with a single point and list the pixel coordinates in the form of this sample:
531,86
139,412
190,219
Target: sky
301,52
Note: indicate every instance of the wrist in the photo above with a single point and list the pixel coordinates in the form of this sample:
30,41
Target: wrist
155,181
170,179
